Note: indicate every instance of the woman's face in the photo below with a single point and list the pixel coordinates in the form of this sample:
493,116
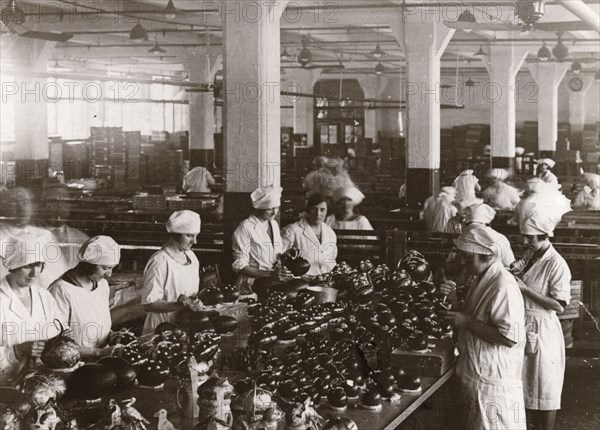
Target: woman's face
186,241
316,214
544,167
346,205
532,242
267,214
101,272
27,275
20,205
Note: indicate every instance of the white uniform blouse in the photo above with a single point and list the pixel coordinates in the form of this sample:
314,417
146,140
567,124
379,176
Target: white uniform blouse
165,279
252,246
320,254
87,313
18,325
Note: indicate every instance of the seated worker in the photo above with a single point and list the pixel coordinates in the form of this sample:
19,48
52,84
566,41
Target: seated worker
316,241
346,216
500,195
544,167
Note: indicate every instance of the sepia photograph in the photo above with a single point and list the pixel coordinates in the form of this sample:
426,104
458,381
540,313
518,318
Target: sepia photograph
300,214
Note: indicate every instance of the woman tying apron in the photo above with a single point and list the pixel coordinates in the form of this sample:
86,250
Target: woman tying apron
545,285
172,274
257,241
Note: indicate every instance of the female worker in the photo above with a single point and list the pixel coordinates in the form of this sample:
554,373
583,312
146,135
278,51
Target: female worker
257,241
82,295
544,172
27,311
546,289
316,241
499,194
172,275
346,216
466,185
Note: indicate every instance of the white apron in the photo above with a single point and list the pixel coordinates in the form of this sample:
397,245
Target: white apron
321,255
165,279
489,375
87,313
544,365
18,326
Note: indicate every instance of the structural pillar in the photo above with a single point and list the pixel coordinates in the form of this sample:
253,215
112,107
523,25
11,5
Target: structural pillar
504,62
548,77
372,88
202,66
577,105
424,40
251,96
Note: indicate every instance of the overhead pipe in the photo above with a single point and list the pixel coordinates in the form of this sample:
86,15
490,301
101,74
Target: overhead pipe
583,12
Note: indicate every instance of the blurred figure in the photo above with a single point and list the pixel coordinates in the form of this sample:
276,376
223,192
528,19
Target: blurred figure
69,238
346,216
500,195
437,210
312,183
339,177
198,180
540,194
544,166
455,224
466,185
18,207
589,197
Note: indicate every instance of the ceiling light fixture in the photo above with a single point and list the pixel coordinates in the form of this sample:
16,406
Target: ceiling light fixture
467,16
138,33
377,52
156,49
560,51
170,10
305,55
576,67
481,52
544,53
13,14
379,69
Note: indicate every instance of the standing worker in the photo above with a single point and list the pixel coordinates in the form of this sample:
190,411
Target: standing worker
172,275
198,180
466,185
546,286
490,342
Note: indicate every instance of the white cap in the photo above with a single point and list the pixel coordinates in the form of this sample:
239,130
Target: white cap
352,193
536,224
479,213
40,249
100,250
477,241
450,191
266,197
184,222
550,162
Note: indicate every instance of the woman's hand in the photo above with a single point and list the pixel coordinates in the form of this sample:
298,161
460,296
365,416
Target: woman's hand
522,285
457,319
448,288
30,348
281,272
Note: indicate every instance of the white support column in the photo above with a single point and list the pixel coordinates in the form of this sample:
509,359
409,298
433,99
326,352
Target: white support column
31,109
547,76
252,94
424,39
577,104
504,62
372,88
202,66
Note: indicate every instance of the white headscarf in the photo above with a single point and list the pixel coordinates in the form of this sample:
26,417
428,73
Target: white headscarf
550,162
184,222
100,250
352,193
479,213
19,253
536,224
477,241
266,197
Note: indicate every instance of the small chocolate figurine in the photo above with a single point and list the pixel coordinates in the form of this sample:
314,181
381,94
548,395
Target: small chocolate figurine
214,402
10,420
163,422
132,417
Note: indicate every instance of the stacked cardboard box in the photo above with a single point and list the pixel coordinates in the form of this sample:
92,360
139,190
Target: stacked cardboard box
149,202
